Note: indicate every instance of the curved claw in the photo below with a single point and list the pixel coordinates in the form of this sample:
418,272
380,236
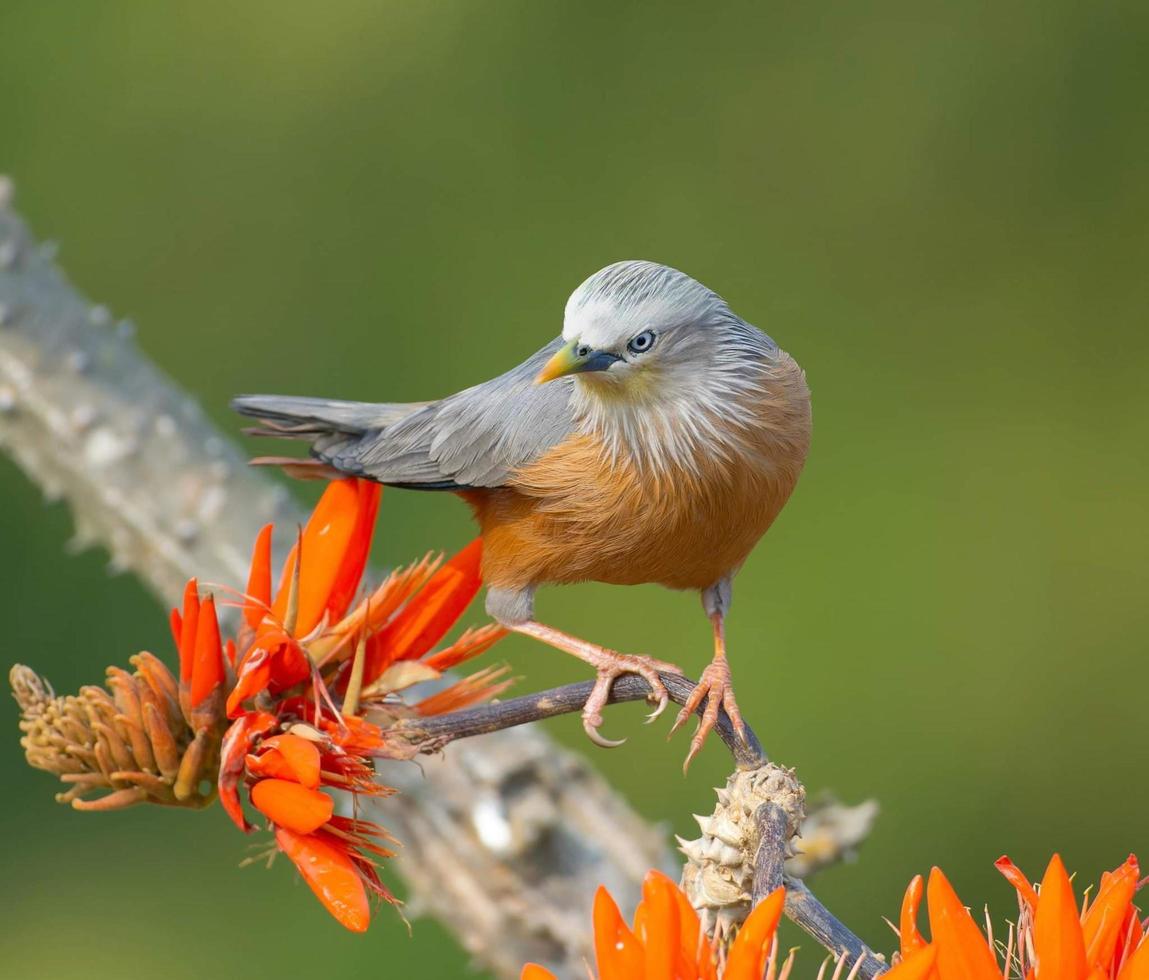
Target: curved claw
600,740
663,701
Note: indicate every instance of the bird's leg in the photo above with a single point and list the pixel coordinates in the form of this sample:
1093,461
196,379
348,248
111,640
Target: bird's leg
717,687
609,664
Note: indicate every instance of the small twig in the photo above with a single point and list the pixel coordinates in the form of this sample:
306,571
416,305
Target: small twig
773,842
803,908
432,734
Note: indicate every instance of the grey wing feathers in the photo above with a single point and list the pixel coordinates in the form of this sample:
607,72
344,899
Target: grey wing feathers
475,438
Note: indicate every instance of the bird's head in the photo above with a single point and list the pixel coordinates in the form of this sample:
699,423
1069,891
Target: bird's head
636,330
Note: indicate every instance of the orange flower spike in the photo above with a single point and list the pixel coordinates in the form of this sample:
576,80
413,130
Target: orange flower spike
428,614
300,757
208,672
1101,926
259,580
1020,882
750,951
232,753
962,951
330,874
532,971
658,929
288,804
1057,939
918,965
911,938
323,546
1137,966
618,953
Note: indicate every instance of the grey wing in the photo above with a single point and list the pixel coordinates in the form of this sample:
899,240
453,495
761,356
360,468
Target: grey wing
475,438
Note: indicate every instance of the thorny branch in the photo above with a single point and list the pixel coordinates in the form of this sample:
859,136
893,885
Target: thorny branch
489,832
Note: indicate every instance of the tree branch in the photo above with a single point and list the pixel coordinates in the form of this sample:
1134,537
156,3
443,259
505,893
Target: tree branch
432,734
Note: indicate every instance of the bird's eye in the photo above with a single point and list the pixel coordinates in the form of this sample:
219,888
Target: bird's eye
641,343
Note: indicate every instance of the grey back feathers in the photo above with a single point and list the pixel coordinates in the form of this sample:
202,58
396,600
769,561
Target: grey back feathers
475,438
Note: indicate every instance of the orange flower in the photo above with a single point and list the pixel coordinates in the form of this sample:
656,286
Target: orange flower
306,626
303,650
667,941
281,710
1052,941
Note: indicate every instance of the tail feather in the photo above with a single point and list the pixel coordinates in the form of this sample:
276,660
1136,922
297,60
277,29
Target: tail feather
290,416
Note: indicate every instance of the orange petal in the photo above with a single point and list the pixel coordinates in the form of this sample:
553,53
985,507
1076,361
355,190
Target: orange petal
253,676
483,685
287,804
355,558
660,932
751,948
236,742
176,622
962,951
1130,935
911,938
324,545
188,626
695,945
208,670
618,953
330,874
1019,881
1057,939
472,643
918,965
429,614
259,580
1137,966
532,971
300,758
1102,924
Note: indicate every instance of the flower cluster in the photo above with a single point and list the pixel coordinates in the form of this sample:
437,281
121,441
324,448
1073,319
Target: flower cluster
668,942
1053,939
302,701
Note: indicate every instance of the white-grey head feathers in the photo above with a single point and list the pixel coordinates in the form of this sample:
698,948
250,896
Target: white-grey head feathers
627,297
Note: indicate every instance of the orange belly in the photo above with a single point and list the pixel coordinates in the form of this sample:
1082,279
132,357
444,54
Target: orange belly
575,515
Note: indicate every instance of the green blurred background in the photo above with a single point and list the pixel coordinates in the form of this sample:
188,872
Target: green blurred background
939,208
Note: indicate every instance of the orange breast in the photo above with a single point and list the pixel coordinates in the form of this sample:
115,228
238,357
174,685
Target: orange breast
576,515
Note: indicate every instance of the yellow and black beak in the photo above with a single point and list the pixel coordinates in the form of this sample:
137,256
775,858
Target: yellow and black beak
575,358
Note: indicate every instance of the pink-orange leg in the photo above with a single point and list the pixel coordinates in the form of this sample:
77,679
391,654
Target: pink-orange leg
609,664
716,686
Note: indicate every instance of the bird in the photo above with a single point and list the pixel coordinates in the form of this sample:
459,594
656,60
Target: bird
654,441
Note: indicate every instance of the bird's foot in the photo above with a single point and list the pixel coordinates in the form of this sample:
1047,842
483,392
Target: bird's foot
716,686
611,665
